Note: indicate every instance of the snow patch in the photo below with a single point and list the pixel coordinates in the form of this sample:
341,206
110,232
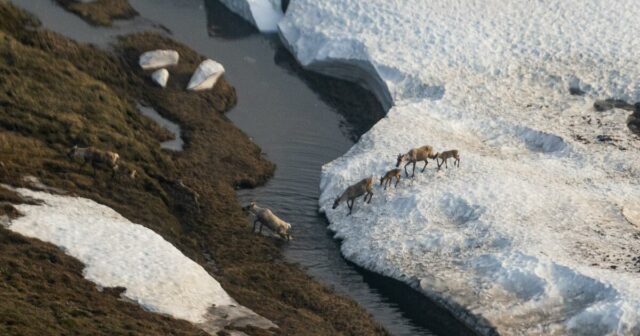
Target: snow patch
541,141
631,212
117,252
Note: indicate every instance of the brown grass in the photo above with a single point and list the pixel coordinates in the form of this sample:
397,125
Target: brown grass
43,292
55,93
100,12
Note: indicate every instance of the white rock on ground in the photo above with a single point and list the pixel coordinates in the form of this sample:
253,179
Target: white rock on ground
155,59
263,14
161,77
526,234
117,252
206,75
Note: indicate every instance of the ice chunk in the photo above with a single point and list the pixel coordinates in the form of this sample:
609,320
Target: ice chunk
160,77
206,75
158,59
263,14
117,252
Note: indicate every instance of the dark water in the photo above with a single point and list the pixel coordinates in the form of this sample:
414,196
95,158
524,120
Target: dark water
301,120
175,144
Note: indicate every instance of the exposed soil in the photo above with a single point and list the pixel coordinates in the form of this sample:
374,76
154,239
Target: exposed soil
55,93
633,121
100,12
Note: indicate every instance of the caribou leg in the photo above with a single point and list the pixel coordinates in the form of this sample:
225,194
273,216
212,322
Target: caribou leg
425,165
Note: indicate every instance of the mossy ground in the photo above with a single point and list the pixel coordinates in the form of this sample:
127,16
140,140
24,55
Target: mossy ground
55,93
100,12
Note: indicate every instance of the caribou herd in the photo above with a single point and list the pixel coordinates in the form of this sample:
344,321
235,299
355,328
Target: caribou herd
362,187
265,217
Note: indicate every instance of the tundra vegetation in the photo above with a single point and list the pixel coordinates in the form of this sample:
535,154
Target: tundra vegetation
56,93
100,12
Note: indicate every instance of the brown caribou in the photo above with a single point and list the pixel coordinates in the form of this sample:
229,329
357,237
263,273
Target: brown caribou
364,187
413,156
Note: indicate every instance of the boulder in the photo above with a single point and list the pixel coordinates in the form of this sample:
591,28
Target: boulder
160,77
156,59
206,75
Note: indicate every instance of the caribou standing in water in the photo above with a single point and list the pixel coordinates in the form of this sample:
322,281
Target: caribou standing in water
364,187
413,156
264,216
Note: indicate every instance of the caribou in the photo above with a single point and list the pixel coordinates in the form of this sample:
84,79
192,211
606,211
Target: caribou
364,187
413,156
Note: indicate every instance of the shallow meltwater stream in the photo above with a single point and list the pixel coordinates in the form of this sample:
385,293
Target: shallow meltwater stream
301,120
175,144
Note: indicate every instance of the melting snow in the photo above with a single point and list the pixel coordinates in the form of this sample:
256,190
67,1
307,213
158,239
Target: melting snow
117,252
529,234
263,14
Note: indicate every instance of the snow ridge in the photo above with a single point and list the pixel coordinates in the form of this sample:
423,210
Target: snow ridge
530,235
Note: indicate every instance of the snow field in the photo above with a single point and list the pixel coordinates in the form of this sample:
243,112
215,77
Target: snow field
529,235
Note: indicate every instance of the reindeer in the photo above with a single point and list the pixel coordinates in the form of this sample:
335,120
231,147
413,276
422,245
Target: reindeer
446,155
96,157
413,156
388,177
264,216
364,187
